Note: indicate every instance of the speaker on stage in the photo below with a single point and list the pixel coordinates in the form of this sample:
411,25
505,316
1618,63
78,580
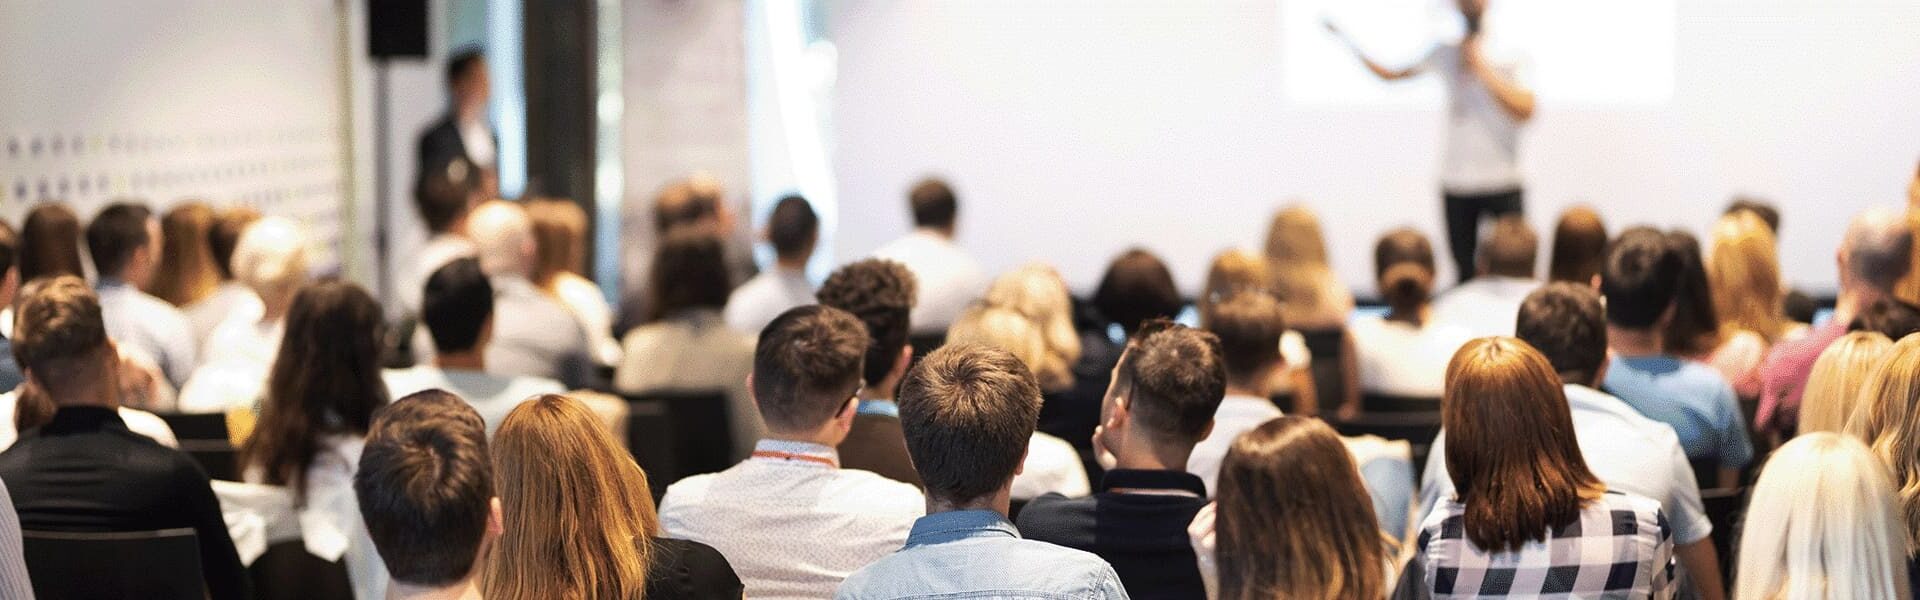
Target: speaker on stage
397,28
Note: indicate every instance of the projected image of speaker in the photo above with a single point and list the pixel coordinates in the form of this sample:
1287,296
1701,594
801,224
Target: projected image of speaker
397,28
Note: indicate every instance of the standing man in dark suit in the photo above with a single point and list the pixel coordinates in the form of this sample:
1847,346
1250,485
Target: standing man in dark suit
463,134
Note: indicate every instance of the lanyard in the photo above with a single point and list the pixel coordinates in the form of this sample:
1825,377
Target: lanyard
791,456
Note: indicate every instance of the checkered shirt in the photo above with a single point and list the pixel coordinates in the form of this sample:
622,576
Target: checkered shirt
1620,547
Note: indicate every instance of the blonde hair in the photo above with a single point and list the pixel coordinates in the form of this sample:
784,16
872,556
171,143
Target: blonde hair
1828,526
1743,276
1887,422
1833,388
1002,328
1233,271
579,517
270,258
187,273
1299,271
1037,292
559,239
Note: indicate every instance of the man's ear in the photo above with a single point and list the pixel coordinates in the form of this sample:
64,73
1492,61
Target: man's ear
496,519
1022,467
750,393
905,360
1118,417
1595,282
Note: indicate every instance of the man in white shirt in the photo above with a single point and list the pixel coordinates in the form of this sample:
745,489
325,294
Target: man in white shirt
789,519
535,334
124,241
444,199
1489,98
948,278
794,230
1486,305
1627,451
458,313
1249,325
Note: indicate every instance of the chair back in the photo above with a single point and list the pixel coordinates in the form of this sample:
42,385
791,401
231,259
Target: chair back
288,572
1329,381
1725,508
650,440
204,437
161,565
1373,403
698,432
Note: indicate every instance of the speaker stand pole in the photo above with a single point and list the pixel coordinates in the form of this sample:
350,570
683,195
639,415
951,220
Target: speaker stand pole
382,172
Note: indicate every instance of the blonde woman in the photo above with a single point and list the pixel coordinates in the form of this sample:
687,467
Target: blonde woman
1052,465
270,259
1234,271
560,256
1823,524
1833,388
1888,422
1037,292
1743,279
1315,302
579,517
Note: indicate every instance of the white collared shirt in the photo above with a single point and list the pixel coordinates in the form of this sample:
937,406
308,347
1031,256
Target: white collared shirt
946,279
493,396
477,139
1237,415
1052,465
1483,306
156,329
755,303
793,527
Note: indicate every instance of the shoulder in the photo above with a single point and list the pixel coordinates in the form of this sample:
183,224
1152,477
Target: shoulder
694,564
149,425
879,495
1050,517
1647,513
687,492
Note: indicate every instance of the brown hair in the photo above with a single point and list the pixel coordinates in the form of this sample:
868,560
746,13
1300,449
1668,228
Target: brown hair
1695,328
687,202
1510,248
881,293
1579,246
1887,420
186,273
325,380
1249,326
579,516
1232,272
690,271
115,234
933,203
968,412
1403,266
1174,378
1295,520
806,366
1564,322
225,235
425,487
58,333
1137,287
1510,446
559,238
50,243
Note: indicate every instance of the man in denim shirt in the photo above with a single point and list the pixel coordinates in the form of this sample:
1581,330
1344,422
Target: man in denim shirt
968,412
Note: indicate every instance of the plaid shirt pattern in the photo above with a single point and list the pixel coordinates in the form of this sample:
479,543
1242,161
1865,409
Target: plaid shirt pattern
1620,547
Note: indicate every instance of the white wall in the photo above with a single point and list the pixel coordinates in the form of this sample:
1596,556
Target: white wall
1073,129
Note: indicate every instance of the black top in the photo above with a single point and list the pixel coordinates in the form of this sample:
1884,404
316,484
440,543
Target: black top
84,471
690,570
1144,536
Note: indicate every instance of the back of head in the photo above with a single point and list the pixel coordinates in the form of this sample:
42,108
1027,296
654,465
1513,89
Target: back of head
793,228
806,367
1833,386
115,234
1579,245
228,226
1888,316
1507,420
1137,287
1695,328
1037,291
1759,208
689,272
1232,272
271,257
1564,322
579,516
58,334
1640,279
933,204
559,238
325,380
1889,422
1743,270
502,238
1403,268
880,293
968,412
425,488
689,202
1294,239
1003,329
457,305
50,242
1294,518
1510,249
1174,378
186,273
1249,326
1831,530
446,193
1878,250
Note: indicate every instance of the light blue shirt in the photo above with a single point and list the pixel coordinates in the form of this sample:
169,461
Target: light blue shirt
160,332
977,554
1692,397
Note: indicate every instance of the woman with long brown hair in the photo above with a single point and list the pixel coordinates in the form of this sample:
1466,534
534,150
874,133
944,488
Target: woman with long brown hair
1291,519
1316,304
186,274
579,517
560,256
50,243
1525,504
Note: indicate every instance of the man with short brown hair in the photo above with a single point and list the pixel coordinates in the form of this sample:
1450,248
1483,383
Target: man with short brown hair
1487,304
425,488
881,293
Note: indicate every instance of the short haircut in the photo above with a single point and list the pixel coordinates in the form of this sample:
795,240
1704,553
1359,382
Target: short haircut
807,366
115,234
1249,325
1757,207
933,203
1136,288
9,248
793,227
56,327
456,305
1579,246
968,412
1879,248
445,193
689,271
1174,378
1890,317
881,294
1640,278
224,237
425,486
1510,248
462,63
1563,320
686,202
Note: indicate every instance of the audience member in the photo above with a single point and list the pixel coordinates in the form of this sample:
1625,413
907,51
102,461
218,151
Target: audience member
1136,288
949,279
1909,287
425,487
1291,520
27,406
320,399
124,241
1165,390
457,309
1833,388
1052,464
270,259
685,344
50,242
1696,330
1579,246
580,519
1874,256
186,273
10,374
1316,303
1404,353
231,297
1831,529
793,229
543,339
13,563
1743,280
1037,292
969,412
789,519
445,197
1565,533
560,259
881,294
694,204
84,471
1890,317
1641,282
1627,451
1888,420
1235,271
1759,208
1485,305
